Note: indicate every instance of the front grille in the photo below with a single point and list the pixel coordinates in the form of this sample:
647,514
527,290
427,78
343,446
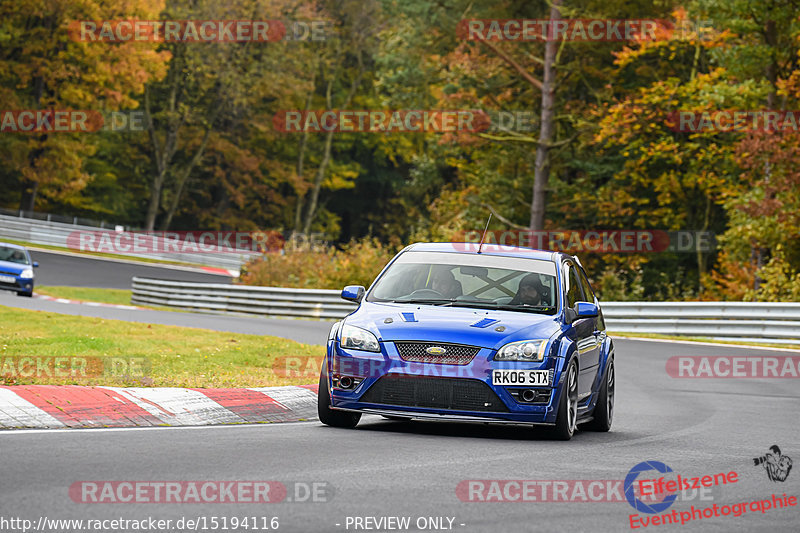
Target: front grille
456,394
455,354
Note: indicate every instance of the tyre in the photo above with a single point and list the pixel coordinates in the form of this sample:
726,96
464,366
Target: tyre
328,416
568,405
604,410
28,294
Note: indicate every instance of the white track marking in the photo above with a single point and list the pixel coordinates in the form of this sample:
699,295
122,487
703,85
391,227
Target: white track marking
710,343
300,401
149,428
16,411
179,407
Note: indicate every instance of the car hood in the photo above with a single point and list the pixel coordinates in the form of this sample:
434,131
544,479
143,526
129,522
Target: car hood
14,268
475,327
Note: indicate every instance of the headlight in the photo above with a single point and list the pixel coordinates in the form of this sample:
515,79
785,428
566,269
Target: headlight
531,350
27,273
359,339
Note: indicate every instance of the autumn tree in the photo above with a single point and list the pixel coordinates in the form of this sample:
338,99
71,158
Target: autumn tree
43,66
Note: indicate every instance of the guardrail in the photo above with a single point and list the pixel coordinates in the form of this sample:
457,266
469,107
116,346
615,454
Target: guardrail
744,321
222,298
56,234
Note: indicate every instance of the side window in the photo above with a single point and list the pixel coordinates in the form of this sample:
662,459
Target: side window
574,292
587,289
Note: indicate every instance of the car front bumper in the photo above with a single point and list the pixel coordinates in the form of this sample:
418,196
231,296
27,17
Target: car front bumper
433,391
18,285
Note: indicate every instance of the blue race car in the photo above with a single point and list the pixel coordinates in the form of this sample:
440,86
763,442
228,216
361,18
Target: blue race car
510,336
16,269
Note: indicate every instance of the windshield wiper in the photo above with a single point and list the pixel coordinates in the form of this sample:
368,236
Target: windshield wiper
432,301
526,307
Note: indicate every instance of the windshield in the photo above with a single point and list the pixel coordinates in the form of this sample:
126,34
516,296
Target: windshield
13,255
461,280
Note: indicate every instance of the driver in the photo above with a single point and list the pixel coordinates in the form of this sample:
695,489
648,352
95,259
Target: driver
530,291
445,284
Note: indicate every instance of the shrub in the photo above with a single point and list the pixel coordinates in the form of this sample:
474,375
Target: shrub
356,263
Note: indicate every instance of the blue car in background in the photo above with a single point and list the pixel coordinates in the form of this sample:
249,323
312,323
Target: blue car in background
16,269
504,336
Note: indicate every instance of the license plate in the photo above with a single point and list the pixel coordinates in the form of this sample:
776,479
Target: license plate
520,377
8,279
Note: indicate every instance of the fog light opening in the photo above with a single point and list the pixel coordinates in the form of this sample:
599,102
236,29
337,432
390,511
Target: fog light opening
528,395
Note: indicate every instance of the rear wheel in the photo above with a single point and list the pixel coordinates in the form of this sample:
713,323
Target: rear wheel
328,416
568,405
604,410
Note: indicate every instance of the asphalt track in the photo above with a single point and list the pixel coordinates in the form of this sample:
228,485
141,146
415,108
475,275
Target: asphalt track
72,270
306,331
383,468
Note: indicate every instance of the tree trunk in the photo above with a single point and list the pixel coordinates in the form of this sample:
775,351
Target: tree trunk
701,257
29,190
771,72
314,200
30,187
298,211
163,153
184,175
542,169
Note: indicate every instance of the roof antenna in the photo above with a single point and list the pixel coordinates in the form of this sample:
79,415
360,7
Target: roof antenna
484,232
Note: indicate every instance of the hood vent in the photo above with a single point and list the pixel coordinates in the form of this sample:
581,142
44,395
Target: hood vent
484,323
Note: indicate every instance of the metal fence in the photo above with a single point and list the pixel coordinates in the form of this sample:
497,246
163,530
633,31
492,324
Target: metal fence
222,298
56,234
744,321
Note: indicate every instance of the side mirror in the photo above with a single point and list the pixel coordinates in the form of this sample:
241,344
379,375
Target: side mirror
353,293
585,309
581,310
35,264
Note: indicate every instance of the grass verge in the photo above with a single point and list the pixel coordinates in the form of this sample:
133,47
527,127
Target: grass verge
38,347
706,340
87,294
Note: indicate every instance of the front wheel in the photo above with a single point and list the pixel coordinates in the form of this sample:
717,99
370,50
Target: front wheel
328,416
568,405
28,294
604,410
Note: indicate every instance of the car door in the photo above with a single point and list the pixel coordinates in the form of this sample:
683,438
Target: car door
586,338
599,322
